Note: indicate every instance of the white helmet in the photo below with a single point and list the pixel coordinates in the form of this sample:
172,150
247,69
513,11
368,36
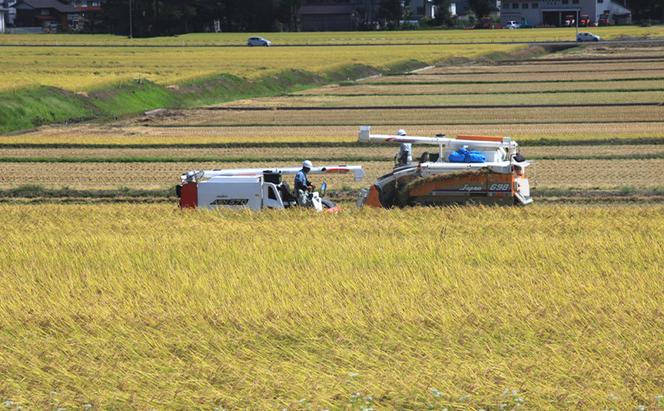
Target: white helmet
401,132
307,164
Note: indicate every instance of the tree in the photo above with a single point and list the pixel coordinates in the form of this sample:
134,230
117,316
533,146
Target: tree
483,8
646,10
443,15
168,17
391,11
287,13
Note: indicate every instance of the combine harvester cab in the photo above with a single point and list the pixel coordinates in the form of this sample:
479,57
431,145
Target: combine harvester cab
254,188
466,169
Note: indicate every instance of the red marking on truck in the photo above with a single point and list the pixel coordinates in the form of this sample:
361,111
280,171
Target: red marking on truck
189,195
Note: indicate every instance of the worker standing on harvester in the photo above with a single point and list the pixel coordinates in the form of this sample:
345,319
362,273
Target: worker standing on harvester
302,184
405,154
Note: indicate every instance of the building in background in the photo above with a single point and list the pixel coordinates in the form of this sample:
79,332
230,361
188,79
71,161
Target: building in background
7,14
51,16
329,16
559,13
90,14
338,15
421,9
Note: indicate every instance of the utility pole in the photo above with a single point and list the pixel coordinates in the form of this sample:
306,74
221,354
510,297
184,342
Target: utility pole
578,12
131,18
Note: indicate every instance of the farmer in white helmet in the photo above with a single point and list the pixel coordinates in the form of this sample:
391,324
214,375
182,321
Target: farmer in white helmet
405,154
301,180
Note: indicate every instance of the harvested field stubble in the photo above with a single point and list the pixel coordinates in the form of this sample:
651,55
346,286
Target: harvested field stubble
522,77
278,153
423,117
543,174
385,152
548,67
197,309
275,128
442,88
587,98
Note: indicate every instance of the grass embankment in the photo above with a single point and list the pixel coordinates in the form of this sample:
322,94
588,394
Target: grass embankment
26,108
137,306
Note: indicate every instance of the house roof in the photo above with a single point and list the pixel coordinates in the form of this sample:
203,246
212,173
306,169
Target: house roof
46,4
326,9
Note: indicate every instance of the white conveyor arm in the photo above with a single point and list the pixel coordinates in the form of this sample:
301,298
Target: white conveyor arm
358,172
481,142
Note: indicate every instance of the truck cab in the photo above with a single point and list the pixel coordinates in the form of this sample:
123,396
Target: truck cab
252,192
254,189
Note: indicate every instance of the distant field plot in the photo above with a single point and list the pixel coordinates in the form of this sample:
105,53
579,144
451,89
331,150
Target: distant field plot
320,154
84,68
503,88
630,51
605,174
594,97
367,37
417,117
425,78
544,68
415,124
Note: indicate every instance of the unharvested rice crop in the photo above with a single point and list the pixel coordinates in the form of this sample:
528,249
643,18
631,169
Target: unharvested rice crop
148,307
82,69
609,174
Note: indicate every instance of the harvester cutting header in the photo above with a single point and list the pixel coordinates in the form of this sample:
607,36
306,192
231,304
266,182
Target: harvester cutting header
478,169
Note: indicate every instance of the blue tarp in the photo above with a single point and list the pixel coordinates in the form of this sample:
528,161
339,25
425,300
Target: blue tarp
463,155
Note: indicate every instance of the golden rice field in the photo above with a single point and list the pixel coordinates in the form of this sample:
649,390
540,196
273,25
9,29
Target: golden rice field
367,37
135,306
85,68
142,307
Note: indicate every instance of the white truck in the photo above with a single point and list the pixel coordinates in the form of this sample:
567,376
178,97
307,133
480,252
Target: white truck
254,188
